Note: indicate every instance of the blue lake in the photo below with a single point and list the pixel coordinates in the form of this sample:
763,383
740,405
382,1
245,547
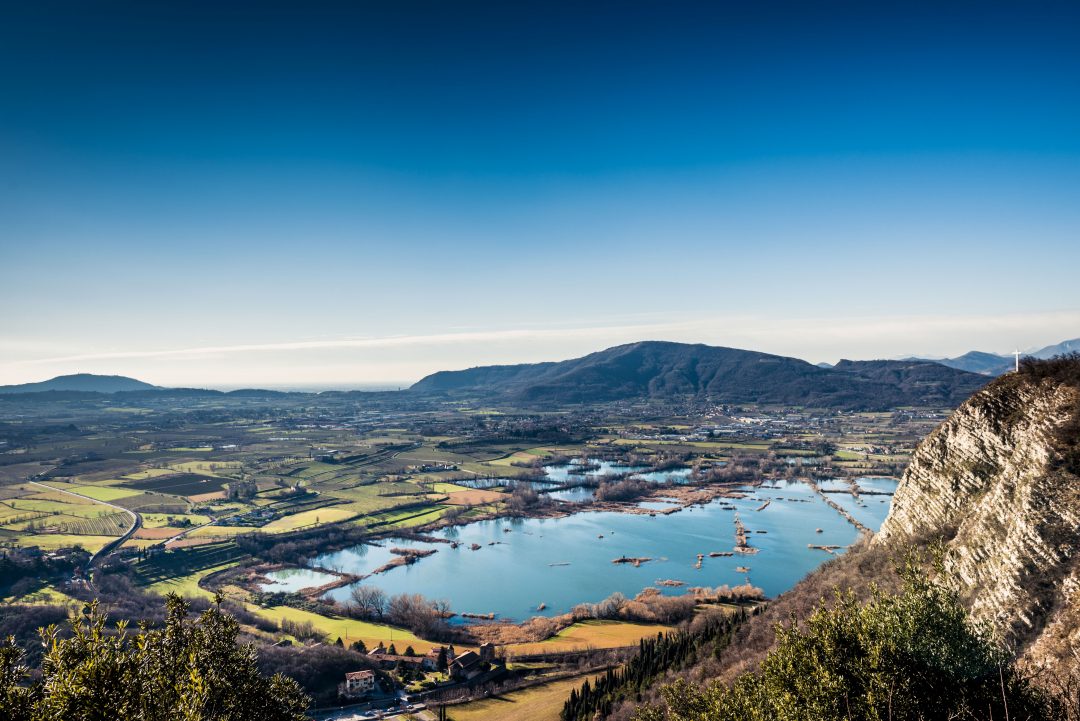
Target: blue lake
570,473
289,580
573,472
562,562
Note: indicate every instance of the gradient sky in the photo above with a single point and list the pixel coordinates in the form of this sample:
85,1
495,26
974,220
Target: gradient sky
318,194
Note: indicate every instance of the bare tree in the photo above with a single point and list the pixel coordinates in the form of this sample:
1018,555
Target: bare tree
368,601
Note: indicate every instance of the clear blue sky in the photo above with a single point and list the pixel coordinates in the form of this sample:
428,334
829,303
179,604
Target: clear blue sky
216,193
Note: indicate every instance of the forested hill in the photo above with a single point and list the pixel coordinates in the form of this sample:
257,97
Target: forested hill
661,370
81,382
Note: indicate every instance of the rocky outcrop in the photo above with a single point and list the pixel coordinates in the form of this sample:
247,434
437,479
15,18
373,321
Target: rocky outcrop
993,483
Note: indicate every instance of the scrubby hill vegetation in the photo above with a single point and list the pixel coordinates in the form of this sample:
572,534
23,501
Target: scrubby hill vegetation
187,669
914,654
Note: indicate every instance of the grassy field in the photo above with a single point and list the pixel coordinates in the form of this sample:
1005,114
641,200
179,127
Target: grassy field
161,520
316,516
46,596
407,518
371,498
53,504
348,629
220,531
180,570
189,585
474,497
53,541
538,703
448,487
147,473
32,516
101,493
590,634
519,457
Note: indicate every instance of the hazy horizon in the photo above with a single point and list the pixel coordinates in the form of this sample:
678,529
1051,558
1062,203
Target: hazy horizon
362,193
130,360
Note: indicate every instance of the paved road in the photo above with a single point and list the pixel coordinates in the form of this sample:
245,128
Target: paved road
186,531
364,712
136,522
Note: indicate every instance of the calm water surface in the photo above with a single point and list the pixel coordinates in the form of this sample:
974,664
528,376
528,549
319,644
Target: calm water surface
289,580
565,561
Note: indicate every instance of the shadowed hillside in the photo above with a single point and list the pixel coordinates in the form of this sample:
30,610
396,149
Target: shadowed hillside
662,370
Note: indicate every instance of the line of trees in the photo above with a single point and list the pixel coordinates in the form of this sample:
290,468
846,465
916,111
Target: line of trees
423,616
655,657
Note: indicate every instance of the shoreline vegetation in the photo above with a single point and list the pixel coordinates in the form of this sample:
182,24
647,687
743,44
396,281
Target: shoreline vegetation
685,495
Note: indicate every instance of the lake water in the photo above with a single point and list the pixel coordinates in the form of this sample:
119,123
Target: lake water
570,473
562,562
557,476
289,580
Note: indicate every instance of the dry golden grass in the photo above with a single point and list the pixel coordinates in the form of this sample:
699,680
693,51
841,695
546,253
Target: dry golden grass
474,498
537,703
590,634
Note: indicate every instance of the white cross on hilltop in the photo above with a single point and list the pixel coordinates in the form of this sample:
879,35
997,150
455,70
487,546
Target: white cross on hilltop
1017,354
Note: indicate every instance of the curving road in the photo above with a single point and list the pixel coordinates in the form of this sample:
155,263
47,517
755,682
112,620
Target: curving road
136,523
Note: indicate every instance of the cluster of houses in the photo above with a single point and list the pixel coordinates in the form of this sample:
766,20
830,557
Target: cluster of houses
461,667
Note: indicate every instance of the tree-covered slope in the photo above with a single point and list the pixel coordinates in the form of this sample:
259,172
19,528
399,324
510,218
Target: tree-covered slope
663,370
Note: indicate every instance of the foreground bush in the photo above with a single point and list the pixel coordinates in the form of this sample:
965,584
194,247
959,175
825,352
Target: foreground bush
910,655
189,670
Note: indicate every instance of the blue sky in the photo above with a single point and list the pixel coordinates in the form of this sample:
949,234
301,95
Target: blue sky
302,194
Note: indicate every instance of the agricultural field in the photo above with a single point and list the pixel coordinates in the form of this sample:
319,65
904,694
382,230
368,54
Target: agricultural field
181,484
536,703
306,519
348,629
178,520
181,570
46,595
108,494
33,515
404,518
216,531
589,635
188,585
57,541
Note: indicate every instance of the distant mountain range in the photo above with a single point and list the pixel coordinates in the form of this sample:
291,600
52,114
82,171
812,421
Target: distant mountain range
992,364
84,382
663,370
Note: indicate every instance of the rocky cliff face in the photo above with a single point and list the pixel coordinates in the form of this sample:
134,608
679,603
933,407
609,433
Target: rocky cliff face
994,482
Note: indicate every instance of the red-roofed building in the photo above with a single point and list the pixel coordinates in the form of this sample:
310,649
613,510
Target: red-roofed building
358,683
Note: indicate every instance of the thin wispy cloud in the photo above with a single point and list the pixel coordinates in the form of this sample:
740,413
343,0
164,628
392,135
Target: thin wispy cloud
435,339
856,337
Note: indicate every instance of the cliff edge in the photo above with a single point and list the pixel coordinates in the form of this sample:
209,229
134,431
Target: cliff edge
999,484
